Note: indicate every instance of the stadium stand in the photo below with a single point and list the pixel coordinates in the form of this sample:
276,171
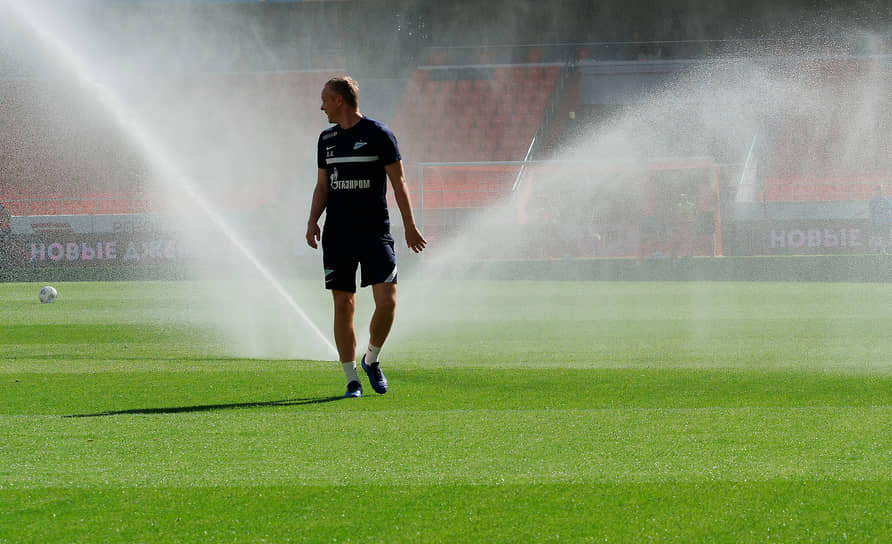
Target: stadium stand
472,114
834,153
63,155
490,116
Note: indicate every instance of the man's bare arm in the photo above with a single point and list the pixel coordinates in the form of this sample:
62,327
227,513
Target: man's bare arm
320,199
414,239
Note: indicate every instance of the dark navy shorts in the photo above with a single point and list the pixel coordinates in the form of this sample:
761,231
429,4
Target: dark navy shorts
342,255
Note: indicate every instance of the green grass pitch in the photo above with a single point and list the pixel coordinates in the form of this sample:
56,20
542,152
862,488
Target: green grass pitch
519,412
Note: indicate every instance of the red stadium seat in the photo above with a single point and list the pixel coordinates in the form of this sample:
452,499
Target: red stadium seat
481,85
502,73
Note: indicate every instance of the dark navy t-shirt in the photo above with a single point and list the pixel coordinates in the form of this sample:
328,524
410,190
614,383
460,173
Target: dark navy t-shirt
357,183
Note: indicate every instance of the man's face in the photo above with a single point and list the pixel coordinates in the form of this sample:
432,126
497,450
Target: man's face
331,104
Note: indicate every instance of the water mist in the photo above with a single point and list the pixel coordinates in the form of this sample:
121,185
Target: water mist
206,153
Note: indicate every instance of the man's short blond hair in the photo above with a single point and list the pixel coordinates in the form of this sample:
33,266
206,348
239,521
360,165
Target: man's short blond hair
345,87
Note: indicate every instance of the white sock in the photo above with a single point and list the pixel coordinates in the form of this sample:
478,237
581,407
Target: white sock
350,371
371,356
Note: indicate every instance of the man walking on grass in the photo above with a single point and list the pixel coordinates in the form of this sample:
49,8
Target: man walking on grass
355,157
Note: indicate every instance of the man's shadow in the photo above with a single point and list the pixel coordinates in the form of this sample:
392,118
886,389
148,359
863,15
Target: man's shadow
210,407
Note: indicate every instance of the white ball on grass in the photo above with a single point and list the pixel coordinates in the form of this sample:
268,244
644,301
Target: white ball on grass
47,294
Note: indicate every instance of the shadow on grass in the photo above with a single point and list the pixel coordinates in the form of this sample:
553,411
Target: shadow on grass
210,407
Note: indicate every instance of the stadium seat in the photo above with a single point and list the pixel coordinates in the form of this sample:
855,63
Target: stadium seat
501,73
518,73
481,85
535,73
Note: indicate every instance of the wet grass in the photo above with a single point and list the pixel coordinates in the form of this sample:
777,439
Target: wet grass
540,412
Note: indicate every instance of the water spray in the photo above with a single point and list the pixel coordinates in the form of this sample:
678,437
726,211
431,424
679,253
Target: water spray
136,130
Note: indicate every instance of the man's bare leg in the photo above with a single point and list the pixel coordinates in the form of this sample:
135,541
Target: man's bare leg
379,329
345,334
385,310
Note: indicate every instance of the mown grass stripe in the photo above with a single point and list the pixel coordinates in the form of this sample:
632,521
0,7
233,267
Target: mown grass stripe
782,510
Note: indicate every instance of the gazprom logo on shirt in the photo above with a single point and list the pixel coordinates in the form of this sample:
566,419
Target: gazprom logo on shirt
347,183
